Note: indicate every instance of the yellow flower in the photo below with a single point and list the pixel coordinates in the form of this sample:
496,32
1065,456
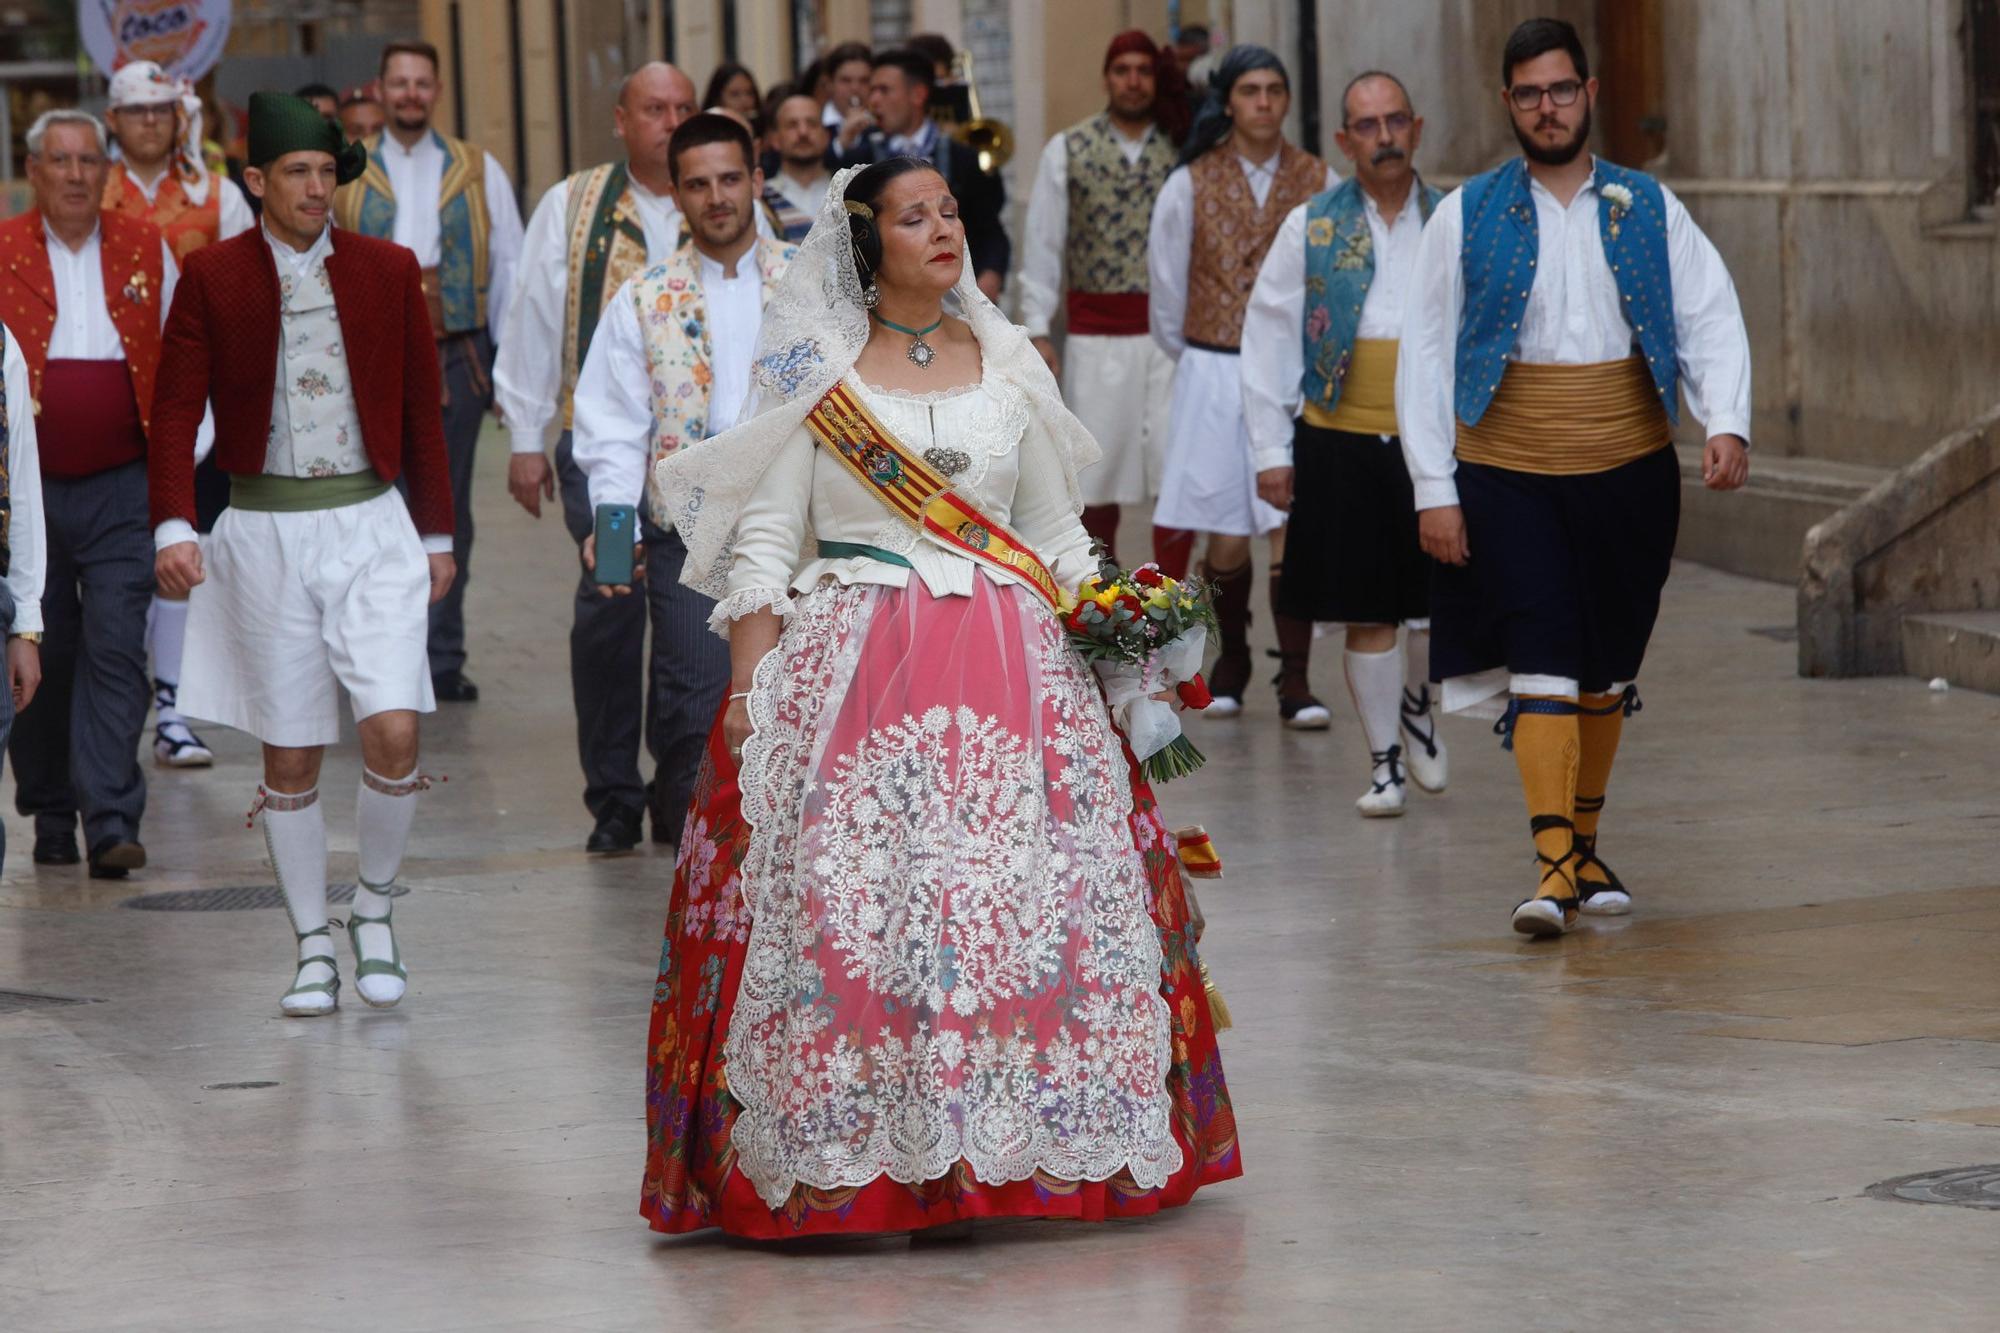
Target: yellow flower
1160,600
1107,599
1319,231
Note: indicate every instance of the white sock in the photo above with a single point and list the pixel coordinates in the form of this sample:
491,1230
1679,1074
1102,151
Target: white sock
1417,658
1376,682
295,836
166,634
383,812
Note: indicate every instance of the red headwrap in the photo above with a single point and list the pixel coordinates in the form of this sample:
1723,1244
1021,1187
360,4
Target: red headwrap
1129,42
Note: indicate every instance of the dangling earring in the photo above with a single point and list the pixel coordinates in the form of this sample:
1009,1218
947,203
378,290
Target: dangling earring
871,295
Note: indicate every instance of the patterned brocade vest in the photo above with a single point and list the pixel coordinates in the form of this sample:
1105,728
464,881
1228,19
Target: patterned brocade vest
464,270
1111,206
187,226
607,246
315,428
1501,245
1340,268
673,319
1232,235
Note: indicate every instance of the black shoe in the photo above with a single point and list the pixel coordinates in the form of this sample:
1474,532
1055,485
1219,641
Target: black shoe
454,687
667,832
114,858
617,831
56,849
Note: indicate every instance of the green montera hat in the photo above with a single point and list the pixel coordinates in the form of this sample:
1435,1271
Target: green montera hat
281,123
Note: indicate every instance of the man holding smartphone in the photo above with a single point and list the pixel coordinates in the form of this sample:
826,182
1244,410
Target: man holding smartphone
669,366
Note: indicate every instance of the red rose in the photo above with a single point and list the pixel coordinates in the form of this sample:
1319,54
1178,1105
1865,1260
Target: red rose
1130,601
1194,693
1148,576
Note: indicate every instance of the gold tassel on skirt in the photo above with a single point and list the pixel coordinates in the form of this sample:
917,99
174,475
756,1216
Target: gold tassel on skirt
1200,860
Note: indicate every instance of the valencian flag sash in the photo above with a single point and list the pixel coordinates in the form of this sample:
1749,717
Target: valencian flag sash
917,494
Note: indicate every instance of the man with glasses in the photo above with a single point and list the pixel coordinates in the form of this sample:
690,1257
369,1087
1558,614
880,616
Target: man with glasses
160,177
1319,344
1562,306
85,291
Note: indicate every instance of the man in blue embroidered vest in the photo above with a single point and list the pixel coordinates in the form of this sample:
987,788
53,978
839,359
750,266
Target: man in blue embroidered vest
1319,344
453,205
590,233
670,367
1537,389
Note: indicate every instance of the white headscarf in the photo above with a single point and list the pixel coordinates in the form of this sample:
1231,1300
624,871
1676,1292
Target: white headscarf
145,83
813,331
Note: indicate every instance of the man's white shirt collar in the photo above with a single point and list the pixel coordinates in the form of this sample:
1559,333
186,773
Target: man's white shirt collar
298,261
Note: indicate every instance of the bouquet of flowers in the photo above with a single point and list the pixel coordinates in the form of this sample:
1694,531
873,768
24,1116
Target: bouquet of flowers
1144,633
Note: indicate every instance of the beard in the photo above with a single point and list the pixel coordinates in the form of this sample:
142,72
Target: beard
724,232
1562,154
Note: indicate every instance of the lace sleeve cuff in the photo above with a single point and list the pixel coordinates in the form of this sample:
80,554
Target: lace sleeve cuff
741,603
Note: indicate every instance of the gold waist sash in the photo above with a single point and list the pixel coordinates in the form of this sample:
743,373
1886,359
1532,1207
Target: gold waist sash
1367,403
1564,420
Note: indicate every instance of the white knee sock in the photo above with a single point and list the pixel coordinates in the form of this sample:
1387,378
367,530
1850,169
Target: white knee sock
383,812
295,835
166,632
1417,658
1376,682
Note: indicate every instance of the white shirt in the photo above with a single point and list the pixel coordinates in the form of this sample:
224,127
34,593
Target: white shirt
84,331
416,175
1274,358
807,198
1171,244
1048,229
27,540
919,144
612,434
528,369
1574,317
235,216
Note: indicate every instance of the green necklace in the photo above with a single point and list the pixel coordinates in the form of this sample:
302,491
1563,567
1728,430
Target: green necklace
920,351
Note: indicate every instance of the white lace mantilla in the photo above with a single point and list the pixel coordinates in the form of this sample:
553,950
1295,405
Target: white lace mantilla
951,956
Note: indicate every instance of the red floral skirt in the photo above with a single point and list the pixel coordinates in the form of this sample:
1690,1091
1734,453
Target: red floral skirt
692,1181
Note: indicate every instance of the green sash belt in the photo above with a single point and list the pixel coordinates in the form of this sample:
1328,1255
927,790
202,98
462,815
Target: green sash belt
855,550
270,494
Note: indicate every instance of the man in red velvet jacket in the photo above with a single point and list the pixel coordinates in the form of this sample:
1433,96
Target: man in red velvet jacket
83,292
316,350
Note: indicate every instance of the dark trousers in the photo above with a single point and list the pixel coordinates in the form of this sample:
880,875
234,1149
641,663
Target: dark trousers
616,696
467,363
75,748
6,699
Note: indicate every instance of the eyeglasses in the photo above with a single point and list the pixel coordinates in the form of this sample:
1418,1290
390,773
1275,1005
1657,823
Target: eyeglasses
1396,122
1528,96
150,111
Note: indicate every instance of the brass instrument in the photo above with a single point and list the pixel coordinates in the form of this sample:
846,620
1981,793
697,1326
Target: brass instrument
991,139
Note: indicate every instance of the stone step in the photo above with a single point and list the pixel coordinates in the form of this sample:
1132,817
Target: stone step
1961,646
1760,530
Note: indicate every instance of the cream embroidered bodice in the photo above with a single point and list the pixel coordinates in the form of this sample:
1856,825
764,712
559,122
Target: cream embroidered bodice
1004,462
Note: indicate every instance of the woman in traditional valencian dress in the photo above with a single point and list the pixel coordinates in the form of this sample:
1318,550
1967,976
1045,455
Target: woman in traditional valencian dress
929,957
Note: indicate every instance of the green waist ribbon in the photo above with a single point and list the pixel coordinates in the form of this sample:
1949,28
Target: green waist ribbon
856,550
265,493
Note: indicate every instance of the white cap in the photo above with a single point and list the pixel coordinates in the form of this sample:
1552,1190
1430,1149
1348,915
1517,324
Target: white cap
144,83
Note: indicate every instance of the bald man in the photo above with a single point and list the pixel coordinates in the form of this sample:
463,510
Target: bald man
588,235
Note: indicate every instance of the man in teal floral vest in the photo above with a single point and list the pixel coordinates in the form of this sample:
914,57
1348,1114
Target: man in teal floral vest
1562,307
1319,345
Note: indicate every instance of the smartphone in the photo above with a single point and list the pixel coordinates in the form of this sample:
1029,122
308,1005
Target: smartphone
616,528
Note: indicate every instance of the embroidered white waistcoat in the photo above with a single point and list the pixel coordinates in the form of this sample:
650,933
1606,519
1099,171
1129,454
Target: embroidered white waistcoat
673,319
315,429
